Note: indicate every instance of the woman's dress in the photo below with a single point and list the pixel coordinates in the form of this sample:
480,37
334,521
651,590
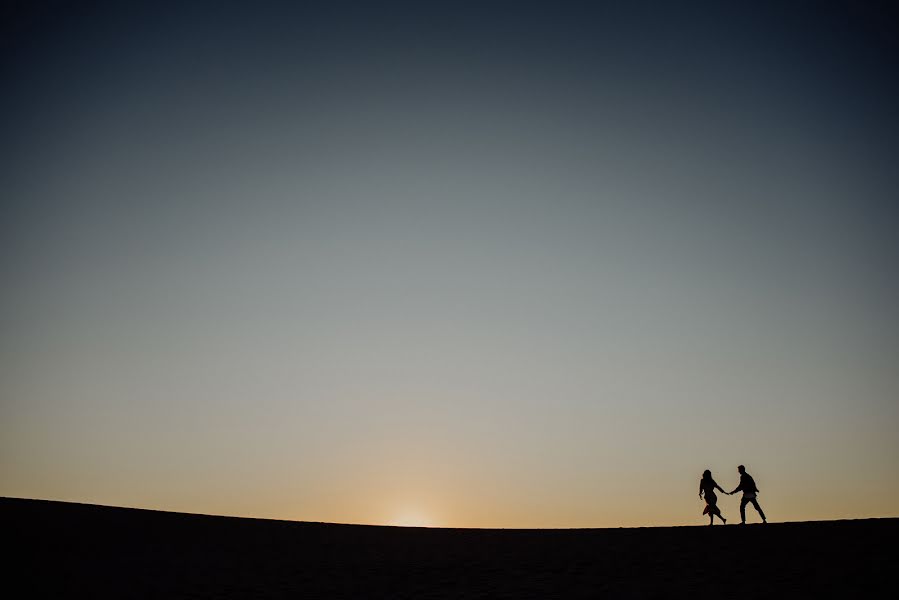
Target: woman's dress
711,500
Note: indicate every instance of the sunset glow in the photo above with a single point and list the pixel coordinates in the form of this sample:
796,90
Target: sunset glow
413,519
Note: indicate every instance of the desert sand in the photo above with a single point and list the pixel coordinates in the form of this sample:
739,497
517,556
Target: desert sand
69,549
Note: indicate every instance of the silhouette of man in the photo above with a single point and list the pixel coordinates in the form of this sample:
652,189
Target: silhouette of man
750,491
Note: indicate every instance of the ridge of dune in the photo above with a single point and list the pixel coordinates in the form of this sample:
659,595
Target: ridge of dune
105,552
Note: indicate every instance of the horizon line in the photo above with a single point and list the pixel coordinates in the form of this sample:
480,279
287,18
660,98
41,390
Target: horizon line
339,524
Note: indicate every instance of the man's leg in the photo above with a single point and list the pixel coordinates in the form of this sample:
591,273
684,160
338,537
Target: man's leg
755,503
743,502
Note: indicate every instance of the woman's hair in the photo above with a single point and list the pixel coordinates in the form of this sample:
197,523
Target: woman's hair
706,474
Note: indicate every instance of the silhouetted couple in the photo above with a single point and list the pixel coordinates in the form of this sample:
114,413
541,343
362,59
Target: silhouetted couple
707,487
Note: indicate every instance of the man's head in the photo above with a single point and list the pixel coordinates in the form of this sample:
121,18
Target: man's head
741,469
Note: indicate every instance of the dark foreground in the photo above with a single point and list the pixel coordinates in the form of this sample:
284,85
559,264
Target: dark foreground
101,552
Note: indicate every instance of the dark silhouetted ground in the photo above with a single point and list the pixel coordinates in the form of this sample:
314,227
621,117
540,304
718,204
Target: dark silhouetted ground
102,552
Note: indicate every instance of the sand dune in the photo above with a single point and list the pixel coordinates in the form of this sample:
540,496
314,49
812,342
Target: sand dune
105,552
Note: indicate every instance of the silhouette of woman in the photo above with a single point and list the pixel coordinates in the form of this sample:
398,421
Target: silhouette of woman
708,486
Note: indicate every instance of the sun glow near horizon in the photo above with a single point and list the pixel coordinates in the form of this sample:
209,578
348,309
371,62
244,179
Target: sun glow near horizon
412,518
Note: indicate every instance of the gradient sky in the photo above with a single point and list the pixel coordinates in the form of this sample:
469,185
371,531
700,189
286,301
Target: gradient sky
487,264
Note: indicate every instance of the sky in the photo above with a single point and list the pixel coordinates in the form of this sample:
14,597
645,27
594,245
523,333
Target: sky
493,264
